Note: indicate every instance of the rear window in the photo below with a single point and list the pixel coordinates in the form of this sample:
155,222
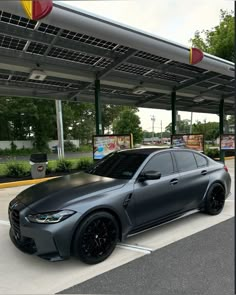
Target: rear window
201,161
185,161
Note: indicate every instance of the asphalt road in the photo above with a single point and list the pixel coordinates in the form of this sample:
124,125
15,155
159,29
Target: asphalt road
201,264
4,159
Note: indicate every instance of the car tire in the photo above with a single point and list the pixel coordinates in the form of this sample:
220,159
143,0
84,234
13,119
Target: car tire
215,199
96,237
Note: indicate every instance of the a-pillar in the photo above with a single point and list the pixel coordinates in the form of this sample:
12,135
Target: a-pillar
98,108
221,115
60,133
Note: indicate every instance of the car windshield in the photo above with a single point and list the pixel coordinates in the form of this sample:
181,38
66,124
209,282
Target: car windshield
118,165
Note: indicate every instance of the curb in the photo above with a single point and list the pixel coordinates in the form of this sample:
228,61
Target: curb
229,158
24,182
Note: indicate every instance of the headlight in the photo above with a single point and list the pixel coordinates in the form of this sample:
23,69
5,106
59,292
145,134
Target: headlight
50,217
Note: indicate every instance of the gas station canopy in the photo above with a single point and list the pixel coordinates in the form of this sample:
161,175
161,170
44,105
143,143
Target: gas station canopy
62,55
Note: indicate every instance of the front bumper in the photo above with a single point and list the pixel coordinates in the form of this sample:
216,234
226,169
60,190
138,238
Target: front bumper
49,241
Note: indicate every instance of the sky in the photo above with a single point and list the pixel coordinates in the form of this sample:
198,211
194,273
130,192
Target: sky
176,20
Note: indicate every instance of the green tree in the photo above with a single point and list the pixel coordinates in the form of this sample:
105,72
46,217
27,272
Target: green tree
110,112
82,125
210,130
219,40
182,126
128,122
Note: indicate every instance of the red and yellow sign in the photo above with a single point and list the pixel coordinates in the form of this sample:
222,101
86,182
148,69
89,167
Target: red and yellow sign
195,56
37,9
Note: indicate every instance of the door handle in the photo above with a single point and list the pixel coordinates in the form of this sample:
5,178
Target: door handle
174,181
127,200
203,172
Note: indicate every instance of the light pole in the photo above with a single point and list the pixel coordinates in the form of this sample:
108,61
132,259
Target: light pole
153,122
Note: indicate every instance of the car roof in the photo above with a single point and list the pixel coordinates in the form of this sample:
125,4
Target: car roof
148,151
143,151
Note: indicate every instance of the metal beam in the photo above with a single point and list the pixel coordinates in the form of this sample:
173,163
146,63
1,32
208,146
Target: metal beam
60,135
173,113
221,125
147,100
117,62
107,70
98,108
198,79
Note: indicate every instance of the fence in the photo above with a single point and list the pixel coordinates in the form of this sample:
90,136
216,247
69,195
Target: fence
29,144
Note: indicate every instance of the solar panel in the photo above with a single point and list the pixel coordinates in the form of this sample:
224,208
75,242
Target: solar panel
48,29
205,84
16,78
132,69
4,77
12,43
165,76
187,67
94,41
72,55
17,20
50,83
103,62
145,55
37,48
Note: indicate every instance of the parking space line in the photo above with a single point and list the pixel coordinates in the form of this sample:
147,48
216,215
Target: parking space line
135,248
4,222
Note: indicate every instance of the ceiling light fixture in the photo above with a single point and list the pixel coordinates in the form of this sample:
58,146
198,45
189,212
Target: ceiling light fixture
139,90
198,99
38,75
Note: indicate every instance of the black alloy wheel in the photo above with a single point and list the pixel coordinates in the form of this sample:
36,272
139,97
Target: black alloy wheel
96,238
215,199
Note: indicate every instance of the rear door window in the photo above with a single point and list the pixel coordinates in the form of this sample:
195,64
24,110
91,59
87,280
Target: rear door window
185,161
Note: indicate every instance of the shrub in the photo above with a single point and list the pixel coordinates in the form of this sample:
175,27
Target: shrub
69,146
15,169
63,166
13,147
212,153
84,164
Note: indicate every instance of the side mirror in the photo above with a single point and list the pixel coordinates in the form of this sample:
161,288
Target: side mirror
150,175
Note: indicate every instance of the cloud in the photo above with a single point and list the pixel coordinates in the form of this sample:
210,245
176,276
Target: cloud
172,19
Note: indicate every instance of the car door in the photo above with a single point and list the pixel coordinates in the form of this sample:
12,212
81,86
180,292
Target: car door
193,177
156,198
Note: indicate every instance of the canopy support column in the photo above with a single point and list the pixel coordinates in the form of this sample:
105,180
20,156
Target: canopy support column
173,112
221,115
60,135
98,108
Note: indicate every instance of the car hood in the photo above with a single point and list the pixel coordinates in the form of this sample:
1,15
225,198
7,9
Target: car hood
59,192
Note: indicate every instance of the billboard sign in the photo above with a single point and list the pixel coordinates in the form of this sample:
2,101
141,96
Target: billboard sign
227,142
190,141
106,144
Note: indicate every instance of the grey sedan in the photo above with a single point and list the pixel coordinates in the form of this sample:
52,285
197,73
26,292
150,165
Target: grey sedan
85,214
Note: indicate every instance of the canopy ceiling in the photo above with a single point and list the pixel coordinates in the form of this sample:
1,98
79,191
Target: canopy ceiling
73,48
